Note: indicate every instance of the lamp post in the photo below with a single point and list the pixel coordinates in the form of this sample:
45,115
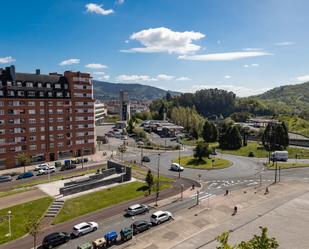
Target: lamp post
10,230
141,155
158,179
179,161
132,226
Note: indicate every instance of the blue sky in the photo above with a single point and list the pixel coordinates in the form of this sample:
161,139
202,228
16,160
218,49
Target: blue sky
184,45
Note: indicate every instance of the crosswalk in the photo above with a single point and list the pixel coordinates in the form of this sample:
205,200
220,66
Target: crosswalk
223,184
203,196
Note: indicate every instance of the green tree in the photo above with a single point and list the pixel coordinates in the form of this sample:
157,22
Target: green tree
33,228
201,150
230,137
122,149
131,124
257,242
23,159
210,132
149,180
275,136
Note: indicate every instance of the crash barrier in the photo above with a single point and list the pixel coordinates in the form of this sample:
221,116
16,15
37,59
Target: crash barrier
116,173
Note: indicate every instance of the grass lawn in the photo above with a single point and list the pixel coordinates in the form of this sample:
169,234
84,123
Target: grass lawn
205,163
194,142
259,151
14,191
20,215
101,199
287,165
53,179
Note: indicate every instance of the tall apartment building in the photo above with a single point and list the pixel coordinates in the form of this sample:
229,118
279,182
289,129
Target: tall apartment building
47,117
100,112
124,106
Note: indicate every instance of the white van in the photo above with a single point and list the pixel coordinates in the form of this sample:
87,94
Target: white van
176,167
280,156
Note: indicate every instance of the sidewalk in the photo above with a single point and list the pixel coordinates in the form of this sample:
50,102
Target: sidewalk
197,227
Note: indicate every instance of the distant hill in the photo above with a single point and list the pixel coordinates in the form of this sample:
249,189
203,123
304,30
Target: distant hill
295,97
106,90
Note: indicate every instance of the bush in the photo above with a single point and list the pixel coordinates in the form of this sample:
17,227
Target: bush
251,154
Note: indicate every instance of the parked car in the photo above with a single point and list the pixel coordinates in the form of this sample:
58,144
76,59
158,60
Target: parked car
68,167
57,164
5,178
176,167
279,156
55,239
146,159
126,233
160,216
51,169
84,228
25,175
41,166
99,243
140,143
137,209
140,226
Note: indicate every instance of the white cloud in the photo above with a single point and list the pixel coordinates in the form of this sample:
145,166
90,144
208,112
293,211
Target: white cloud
127,41
5,60
119,2
229,56
139,78
164,77
183,78
104,77
227,77
96,8
251,65
238,90
69,62
95,66
99,73
253,49
165,40
284,43
303,78
134,77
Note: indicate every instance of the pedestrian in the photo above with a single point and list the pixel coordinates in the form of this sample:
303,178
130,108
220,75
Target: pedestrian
193,186
266,191
226,192
235,211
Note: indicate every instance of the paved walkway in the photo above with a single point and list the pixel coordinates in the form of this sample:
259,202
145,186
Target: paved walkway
198,226
12,200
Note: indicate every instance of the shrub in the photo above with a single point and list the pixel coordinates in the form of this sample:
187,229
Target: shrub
251,154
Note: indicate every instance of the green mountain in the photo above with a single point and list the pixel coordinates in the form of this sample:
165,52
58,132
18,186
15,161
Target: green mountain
107,90
295,98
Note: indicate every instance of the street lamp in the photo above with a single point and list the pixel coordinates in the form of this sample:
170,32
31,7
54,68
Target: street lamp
10,230
179,161
132,226
158,179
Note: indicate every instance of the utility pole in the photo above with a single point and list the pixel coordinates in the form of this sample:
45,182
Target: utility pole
158,179
182,187
10,230
179,161
197,197
141,155
82,158
279,173
276,172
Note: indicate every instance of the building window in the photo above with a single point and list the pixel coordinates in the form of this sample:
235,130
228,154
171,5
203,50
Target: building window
31,103
31,111
1,112
59,128
1,103
60,136
11,93
59,94
59,119
59,111
32,129
42,129
2,132
59,103
51,145
60,145
32,121
32,138
51,128
32,147
50,94
48,85
57,86
43,146
2,150
42,137
41,103
42,111
31,94
41,94
20,93
1,122
29,84
39,84
50,111
42,120
50,120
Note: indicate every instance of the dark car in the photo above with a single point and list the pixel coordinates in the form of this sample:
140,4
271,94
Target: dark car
55,239
25,175
67,167
5,178
140,226
146,159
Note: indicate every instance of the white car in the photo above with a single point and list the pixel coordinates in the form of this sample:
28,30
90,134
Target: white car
137,209
160,216
42,166
176,167
84,228
46,170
